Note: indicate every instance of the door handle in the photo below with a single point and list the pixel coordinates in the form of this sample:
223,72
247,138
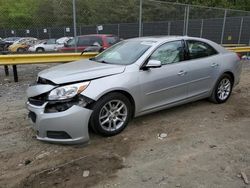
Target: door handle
182,73
214,65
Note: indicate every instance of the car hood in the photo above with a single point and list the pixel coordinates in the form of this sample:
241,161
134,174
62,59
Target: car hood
80,71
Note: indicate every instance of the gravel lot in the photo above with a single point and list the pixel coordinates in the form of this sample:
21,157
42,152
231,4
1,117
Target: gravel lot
207,145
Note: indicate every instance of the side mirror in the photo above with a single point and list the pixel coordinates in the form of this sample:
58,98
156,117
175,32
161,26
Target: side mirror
152,64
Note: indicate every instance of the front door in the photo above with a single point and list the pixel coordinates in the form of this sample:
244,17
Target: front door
167,84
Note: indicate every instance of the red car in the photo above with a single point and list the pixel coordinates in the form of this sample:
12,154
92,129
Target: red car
84,41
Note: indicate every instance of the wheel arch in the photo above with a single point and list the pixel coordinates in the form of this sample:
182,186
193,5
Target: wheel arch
127,94
40,47
230,74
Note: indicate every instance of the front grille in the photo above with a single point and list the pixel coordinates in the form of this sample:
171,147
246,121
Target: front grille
58,135
38,100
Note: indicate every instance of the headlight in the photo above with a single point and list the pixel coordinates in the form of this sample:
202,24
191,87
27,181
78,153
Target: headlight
68,91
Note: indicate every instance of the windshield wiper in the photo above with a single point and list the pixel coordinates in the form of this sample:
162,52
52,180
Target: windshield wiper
104,62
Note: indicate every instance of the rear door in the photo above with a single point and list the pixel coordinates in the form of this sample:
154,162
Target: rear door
167,84
50,45
203,66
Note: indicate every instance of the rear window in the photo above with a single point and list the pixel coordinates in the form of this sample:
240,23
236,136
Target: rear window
198,49
89,41
112,40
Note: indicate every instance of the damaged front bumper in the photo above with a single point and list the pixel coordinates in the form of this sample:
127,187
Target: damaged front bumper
60,122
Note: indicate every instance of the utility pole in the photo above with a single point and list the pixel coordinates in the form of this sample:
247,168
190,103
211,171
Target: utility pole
140,19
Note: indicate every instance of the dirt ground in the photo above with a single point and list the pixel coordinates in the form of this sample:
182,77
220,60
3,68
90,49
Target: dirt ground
207,145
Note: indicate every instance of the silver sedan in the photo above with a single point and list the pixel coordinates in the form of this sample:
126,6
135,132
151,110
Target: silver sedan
132,78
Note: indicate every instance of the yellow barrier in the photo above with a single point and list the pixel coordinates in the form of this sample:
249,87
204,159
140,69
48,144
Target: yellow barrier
240,49
18,59
233,45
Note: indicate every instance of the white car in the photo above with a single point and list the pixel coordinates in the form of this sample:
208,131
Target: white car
46,46
49,45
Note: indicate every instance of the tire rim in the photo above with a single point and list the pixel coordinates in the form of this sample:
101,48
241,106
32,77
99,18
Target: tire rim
224,89
113,115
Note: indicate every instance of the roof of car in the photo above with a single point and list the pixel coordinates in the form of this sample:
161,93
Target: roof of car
160,38
99,35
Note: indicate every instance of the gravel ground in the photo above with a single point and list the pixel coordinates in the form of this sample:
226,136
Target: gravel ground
206,145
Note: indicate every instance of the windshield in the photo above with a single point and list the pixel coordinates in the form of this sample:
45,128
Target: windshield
124,53
71,42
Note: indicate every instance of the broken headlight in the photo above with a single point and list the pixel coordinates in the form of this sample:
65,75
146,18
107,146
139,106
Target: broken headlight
67,91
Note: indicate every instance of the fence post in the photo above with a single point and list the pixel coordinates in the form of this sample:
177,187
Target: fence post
187,20
169,27
241,25
223,27
49,30
74,20
201,32
80,30
140,19
37,33
118,30
184,20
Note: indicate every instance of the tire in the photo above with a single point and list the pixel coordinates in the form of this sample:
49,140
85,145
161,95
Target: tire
108,121
20,50
222,89
40,50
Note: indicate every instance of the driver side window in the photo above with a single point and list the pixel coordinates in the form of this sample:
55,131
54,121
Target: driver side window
171,52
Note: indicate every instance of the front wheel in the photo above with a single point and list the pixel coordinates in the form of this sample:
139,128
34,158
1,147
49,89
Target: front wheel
111,114
223,89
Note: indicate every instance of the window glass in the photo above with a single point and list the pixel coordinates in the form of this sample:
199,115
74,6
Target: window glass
89,41
51,41
171,52
71,42
112,40
198,49
84,41
124,53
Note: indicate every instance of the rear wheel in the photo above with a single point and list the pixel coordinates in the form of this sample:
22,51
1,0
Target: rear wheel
223,89
20,50
111,114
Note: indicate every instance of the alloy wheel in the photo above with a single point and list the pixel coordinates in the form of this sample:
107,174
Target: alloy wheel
113,115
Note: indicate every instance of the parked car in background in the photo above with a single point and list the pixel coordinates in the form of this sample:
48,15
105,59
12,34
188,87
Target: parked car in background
5,43
45,46
84,41
49,45
22,44
63,40
132,78
11,40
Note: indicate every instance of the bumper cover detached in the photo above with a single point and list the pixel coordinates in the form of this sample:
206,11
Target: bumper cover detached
66,127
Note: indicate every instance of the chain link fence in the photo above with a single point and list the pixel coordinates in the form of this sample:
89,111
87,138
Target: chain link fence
54,19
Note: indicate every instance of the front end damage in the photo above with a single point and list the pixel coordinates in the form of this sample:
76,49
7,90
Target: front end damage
59,121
